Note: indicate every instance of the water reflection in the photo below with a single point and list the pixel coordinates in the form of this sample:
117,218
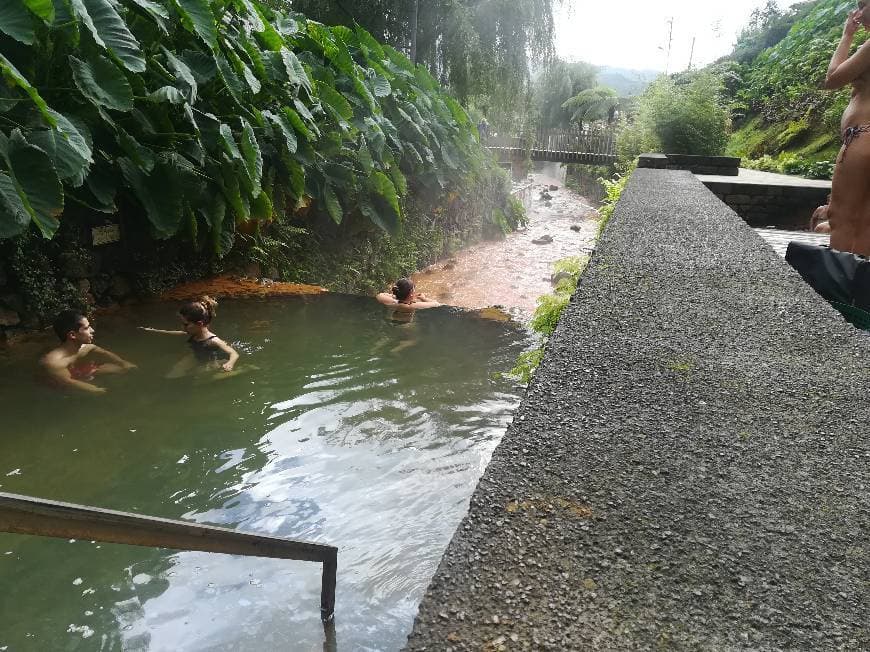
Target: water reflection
335,438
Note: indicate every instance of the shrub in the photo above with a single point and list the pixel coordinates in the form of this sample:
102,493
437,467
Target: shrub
685,115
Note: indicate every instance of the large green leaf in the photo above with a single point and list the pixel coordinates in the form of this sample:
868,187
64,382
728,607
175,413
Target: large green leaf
16,21
231,80
69,148
157,12
168,94
182,72
285,128
228,142
233,192
381,87
242,68
161,193
14,78
196,16
261,207
42,8
335,100
35,183
110,32
103,83
268,36
381,184
295,70
252,156
298,124
13,216
333,206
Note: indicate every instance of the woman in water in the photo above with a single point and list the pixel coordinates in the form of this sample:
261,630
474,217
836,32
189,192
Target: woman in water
849,210
205,347
402,297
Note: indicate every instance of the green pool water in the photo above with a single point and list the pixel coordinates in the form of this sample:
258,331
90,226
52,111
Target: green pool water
344,428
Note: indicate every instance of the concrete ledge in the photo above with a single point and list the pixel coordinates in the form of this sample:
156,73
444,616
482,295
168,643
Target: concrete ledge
689,467
718,165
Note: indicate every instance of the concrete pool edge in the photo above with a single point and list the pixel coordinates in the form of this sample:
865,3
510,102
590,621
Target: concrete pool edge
688,467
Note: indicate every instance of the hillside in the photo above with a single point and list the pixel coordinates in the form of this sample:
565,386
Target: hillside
779,108
624,81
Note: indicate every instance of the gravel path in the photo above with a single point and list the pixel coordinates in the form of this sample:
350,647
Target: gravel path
689,468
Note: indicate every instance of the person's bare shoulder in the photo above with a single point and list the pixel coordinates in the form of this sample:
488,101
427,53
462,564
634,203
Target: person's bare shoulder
54,359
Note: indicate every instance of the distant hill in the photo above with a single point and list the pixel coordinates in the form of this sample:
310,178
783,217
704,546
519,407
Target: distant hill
625,81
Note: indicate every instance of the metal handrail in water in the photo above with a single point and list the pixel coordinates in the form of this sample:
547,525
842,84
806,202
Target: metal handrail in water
37,516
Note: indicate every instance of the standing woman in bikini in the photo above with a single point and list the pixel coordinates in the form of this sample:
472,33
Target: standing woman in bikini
849,210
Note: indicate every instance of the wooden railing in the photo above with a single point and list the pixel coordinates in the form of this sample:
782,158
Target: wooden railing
28,515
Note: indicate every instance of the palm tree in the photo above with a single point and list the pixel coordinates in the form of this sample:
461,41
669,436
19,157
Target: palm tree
592,104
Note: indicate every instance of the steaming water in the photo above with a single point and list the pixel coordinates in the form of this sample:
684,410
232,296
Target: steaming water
351,430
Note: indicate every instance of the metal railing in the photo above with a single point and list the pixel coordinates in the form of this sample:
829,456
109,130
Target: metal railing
49,518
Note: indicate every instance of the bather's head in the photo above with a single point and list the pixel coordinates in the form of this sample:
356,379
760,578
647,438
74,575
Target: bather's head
403,289
198,312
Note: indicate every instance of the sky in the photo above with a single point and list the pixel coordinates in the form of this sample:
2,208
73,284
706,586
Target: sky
634,33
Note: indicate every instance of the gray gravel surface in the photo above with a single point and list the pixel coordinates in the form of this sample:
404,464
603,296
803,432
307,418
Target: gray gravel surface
689,467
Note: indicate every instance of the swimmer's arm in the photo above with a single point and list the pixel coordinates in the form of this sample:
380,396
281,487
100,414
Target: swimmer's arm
161,331
114,358
62,377
230,351
844,69
418,305
387,299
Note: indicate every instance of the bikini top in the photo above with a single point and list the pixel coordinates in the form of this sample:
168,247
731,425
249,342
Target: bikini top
204,350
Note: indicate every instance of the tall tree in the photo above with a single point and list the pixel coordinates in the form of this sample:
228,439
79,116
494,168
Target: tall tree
593,104
559,82
480,49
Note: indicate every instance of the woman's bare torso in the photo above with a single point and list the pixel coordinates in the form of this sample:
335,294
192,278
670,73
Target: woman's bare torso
849,210
858,111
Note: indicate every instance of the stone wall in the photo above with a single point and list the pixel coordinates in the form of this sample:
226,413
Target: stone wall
722,165
783,207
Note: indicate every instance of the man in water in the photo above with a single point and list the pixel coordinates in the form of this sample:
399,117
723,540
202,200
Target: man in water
65,365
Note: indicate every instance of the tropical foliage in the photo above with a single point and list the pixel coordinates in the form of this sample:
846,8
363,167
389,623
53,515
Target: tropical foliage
560,81
205,117
682,114
785,81
480,50
776,97
593,104
549,309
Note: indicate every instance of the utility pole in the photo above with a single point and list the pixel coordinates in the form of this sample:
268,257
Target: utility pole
691,53
670,39
414,8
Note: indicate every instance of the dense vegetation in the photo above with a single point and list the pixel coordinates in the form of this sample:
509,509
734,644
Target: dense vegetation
213,114
782,114
681,114
204,120
481,51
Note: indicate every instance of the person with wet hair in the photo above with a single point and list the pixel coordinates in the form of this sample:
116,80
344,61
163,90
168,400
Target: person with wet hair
65,366
402,297
205,347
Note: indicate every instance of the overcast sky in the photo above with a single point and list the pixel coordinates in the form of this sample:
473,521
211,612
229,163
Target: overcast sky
634,33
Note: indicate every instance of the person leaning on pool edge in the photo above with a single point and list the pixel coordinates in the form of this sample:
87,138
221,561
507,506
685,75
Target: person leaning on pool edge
849,210
403,298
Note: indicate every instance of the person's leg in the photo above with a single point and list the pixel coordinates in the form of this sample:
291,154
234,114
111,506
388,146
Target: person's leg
849,211
182,367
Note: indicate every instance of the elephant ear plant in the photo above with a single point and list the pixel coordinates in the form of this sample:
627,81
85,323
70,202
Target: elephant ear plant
206,116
